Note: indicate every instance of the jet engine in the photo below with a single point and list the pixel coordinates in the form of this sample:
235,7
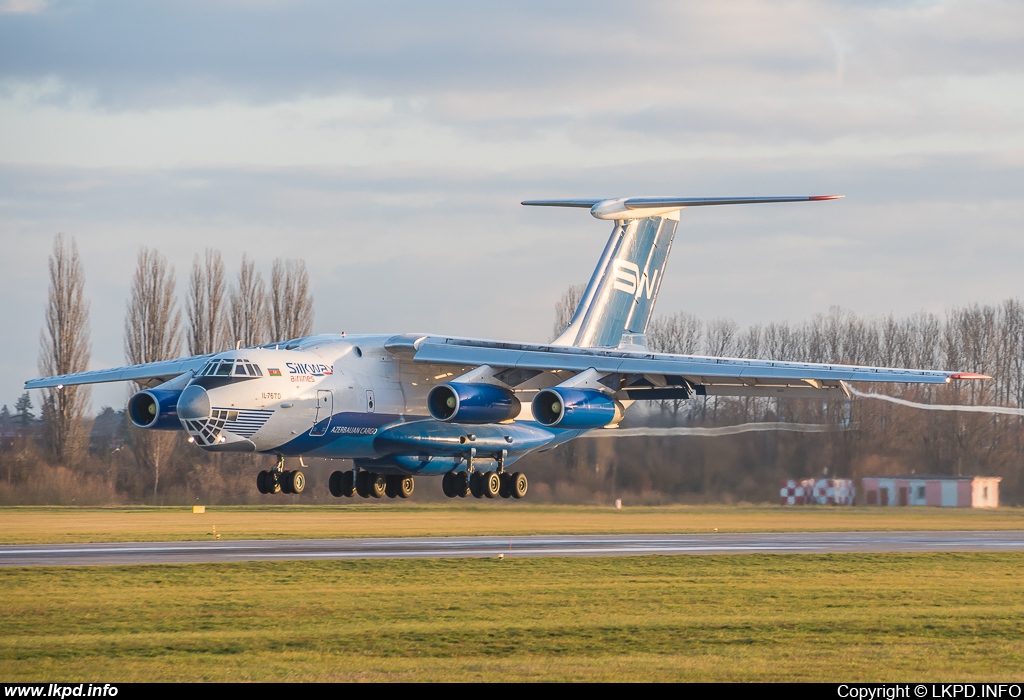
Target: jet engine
156,409
458,402
564,407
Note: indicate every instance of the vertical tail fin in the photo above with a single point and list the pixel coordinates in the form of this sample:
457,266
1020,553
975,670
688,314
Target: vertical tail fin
620,297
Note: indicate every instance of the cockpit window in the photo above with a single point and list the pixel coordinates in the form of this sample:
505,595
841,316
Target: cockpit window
229,368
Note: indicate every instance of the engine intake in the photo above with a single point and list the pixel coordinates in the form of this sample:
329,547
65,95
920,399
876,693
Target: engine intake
457,402
563,407
155,409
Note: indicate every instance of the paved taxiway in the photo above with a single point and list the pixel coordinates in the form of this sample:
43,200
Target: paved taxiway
519,546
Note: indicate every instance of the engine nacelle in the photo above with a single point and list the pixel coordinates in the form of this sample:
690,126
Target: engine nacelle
457,402
564,407
156,409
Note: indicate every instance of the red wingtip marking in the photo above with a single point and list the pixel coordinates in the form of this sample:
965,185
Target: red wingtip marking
969,375
821,197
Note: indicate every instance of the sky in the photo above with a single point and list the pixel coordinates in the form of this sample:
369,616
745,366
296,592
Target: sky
388,145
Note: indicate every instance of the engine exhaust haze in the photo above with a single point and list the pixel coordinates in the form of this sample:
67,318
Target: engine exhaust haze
715,432
964,408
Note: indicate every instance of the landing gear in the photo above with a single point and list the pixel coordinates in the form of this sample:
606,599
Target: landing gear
361,486
518,485
268,482
370,485
448,484
476,487
376,484
342,484
296,482
491,484
461,483
279,480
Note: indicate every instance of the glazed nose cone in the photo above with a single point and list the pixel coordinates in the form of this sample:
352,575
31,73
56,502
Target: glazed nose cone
194,403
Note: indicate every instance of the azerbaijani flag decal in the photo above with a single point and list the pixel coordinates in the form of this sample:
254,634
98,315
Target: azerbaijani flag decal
274,372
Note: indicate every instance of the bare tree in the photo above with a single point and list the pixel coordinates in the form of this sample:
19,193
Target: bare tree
152,332
64,348
679,333
566,307
291,301
249,323
206,323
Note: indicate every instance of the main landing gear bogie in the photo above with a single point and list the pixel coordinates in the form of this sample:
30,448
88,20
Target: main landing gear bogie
484,484
370,485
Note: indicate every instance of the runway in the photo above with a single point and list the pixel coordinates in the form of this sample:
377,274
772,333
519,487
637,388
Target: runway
221,551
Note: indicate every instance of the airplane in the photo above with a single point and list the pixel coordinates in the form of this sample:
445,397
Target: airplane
416,404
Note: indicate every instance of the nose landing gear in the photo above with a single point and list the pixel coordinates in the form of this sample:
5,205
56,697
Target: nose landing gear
280,480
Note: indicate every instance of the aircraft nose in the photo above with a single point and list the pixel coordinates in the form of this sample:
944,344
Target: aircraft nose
194,403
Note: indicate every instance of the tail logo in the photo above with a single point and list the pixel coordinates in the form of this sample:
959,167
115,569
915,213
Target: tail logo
627,278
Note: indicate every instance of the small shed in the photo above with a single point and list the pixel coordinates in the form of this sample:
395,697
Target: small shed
931,490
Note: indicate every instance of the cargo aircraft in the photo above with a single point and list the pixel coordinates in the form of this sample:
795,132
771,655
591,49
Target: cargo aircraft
416,404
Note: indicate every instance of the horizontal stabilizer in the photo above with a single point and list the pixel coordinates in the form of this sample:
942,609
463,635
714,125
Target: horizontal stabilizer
639,207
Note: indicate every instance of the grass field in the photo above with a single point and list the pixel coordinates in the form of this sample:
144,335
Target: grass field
71,524
852,617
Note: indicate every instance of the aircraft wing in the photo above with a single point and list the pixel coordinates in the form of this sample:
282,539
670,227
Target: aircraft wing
647,375
151,373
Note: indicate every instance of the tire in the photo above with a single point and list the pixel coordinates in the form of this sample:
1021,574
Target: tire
391,485
448,484
334,484
377,484
363,484
273,482
347,484
261,482
461,484
297,482
519,485
476,486
406,484
286,482
506,480
492,484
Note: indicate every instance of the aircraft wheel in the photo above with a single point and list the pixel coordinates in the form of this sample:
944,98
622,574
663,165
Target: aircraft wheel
261,482
334,484
476,485
347,484
363,484
377,484
273,482
461,483
504,491
391,485
518,485
297,482
285,479
448,484
492,484
406,484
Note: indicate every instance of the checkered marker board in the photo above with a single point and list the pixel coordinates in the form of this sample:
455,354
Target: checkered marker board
825,492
